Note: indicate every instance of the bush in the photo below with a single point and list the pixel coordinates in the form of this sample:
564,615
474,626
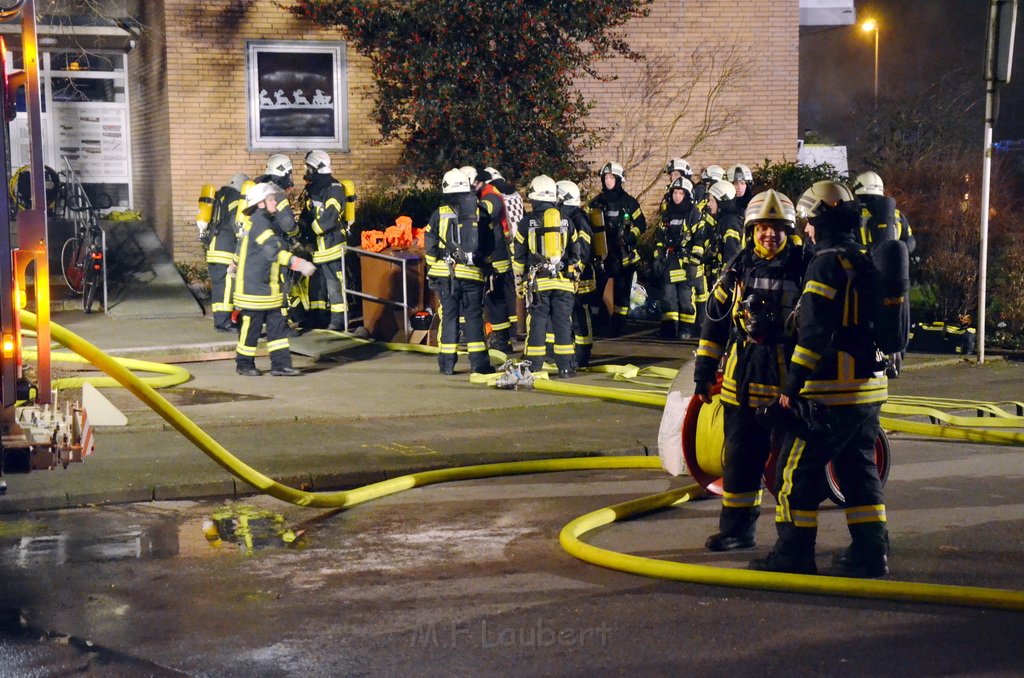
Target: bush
790,178
379,209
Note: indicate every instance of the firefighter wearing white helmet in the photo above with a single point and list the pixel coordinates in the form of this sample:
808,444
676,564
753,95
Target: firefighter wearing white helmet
325,221
470,173
678,168
619,214
546,260
221,238
880,218
677,262
279,172
571,206
459,242
742,180
747,336
499,284
261,258
722,228
833,368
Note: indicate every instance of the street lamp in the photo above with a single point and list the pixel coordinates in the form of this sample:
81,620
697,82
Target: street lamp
872,26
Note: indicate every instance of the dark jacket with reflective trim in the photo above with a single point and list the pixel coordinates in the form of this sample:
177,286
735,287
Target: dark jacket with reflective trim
227,204
261,255
754,370
440,262
325,216
586,276
500,259
527,261
834,361
678,243
616,204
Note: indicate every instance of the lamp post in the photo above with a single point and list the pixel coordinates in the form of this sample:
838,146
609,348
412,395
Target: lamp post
870,26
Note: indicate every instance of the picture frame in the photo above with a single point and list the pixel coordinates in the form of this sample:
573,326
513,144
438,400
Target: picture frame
297,93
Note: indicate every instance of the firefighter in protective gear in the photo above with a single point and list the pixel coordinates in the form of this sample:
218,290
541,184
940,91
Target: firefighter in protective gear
459,244
258,263
678,168
547,260
279,172
722,228
324,223
678,262
835,365
708,176
624,223
568,194
880,218
222,234
743,181
747,325
500,286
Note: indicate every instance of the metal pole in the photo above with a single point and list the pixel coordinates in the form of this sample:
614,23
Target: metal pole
876,66
986,176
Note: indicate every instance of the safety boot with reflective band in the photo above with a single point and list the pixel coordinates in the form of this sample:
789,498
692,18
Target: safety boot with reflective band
793,552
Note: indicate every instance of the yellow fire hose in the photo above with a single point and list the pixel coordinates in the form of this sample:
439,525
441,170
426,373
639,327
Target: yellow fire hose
571,533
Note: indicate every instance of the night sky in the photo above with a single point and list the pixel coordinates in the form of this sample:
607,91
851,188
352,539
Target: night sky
921,43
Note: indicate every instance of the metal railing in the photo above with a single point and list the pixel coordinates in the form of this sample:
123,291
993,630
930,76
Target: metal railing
403,304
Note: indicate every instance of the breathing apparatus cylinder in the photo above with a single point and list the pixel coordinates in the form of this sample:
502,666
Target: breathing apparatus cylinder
205,211
350,201
553,241
599,241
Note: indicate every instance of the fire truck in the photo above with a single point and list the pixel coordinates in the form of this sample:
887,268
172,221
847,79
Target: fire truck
35,431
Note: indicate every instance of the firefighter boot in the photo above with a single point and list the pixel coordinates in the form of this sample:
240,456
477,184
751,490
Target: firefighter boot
736,528
792,553
617,325
337,323
581,358
446,363
866,557
500,341
669,329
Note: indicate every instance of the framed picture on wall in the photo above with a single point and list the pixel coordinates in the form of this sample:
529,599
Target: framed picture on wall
297,95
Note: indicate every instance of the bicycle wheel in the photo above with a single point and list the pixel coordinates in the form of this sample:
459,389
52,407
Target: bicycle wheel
72,263
91,284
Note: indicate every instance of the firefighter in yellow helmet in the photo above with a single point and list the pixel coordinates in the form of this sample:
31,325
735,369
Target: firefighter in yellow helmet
261,256
747,336
836,390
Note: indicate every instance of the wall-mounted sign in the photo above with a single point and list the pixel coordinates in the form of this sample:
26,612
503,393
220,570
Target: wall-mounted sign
297,95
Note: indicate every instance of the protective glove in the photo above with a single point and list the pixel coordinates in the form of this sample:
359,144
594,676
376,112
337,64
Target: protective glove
630,238
232,269
302,266
202,225
702,390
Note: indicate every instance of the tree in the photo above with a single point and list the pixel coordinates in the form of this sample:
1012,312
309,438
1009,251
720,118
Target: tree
670,95
488,82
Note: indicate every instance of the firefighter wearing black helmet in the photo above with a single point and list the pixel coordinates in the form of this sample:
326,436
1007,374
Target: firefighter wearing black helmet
747,326
623,222
834,366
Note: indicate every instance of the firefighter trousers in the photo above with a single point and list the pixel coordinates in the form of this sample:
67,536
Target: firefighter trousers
222,285
550,311
277,338
465,299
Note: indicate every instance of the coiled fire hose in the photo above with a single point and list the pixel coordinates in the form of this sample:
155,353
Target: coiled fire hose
570,537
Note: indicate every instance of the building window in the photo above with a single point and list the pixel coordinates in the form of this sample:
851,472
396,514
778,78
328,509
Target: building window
297,95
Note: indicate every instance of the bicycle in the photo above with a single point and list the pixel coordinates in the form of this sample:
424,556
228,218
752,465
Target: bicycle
82,255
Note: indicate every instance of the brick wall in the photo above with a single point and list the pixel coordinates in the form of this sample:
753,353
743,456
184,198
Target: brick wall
189,116
762,94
